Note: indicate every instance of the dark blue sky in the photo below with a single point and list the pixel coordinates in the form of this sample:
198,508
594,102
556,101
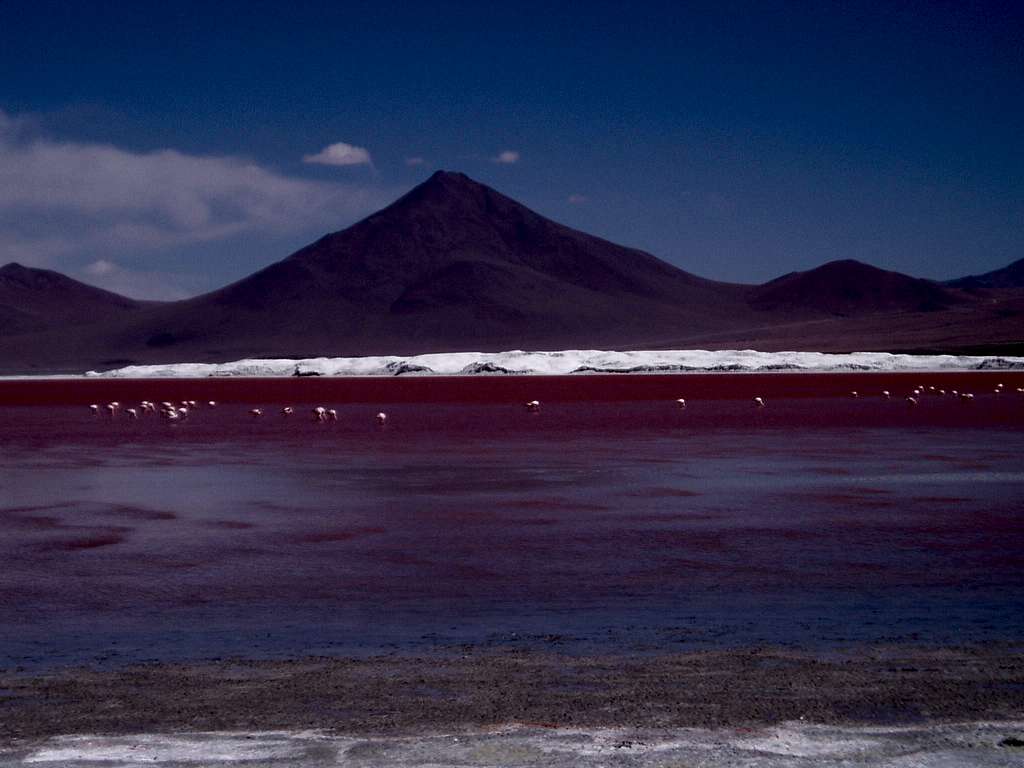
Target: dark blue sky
159,151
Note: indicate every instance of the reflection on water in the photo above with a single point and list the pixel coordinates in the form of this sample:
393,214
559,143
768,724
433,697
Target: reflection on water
624,526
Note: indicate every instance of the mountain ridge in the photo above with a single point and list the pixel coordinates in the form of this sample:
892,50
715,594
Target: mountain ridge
454,265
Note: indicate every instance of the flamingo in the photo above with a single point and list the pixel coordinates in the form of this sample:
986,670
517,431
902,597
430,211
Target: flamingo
320,413
533,405
332,414
382,417
256,412
681,402
212,403
759,402
911,400
111,409
854,394
95,409
886,394
287,411
132,413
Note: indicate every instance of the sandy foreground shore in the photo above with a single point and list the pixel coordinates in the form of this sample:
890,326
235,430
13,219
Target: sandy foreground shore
510,707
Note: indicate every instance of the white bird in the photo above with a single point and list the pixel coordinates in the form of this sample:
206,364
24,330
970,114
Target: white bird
681,402
332,415
95,409
212,403
854,394
132,413
759,402
886,394
287,410
320,413
382,417
966,396
533,405
111,409
911,400
256,412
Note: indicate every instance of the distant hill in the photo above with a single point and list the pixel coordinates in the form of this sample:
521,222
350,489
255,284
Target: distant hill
455,265
851,288
39,299
1010,276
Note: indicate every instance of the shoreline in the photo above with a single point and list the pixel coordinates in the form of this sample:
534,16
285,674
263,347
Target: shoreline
787,745
393,695
511,388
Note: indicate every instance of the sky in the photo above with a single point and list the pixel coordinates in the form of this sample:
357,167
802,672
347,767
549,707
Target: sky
163,150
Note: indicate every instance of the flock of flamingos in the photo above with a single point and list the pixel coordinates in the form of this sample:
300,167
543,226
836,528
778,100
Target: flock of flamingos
181,410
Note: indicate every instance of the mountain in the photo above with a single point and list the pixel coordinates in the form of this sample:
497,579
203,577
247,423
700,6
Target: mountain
1010,276
451,265
456,266
850,288
39,299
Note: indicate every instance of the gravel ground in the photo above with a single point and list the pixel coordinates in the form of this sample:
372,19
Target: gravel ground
400,695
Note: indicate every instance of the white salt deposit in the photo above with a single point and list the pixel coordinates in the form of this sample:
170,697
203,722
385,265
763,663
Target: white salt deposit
570,361
966,745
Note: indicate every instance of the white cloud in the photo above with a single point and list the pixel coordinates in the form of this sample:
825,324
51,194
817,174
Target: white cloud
576,199
340,154
62,199
506,157
100,267
414,161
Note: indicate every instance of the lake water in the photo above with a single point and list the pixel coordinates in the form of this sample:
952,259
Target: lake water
586,527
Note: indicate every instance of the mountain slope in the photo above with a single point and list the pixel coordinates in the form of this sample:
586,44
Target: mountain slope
38,299
1010,276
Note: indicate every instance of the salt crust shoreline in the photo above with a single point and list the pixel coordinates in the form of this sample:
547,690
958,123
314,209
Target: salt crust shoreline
565,362
783,745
